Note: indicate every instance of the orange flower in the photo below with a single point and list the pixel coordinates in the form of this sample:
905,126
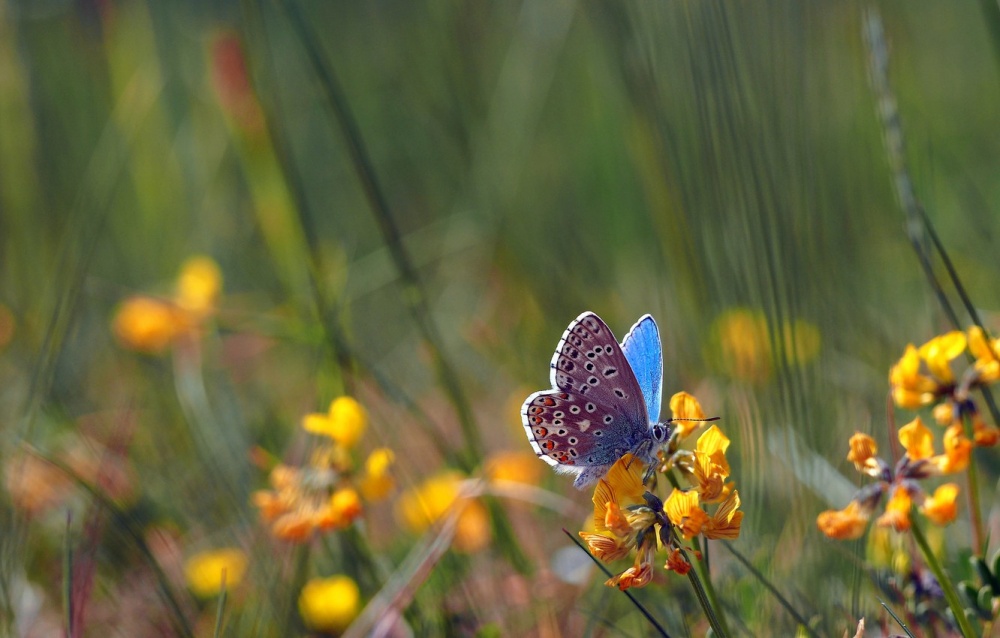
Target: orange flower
917,440
846,524
725,523
910,388
640,573
862,453
683,511
987,354
942,507
957,451
613,535
897,511
148,325
983,434
677,563
939,352
711,467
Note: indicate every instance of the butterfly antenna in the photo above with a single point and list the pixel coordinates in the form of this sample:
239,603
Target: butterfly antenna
714,418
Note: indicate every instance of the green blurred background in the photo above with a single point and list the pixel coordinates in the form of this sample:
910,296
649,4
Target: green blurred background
536,159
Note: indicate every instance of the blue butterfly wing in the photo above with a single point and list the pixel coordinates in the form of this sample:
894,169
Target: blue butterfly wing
645,354
595,411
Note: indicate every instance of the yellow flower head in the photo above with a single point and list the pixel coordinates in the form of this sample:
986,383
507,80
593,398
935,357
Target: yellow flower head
198,285
897,511
517,467
345,422
957,451
846,524
917,440
983,434
685,406
378,482
148,325
862,453
472,532
329,604
421,506
987,354
941,508
307,499
910,388
743,345
711,467
208,572
640,573
939,353
725,523
684,512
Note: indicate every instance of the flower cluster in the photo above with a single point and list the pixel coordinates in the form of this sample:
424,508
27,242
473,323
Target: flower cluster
151,324
627,517
900,483
323,495
925,377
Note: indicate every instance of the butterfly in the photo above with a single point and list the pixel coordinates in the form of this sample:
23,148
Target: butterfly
604,401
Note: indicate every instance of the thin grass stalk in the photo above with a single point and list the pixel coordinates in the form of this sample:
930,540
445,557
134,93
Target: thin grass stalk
220,609
899,622
414,295
301,570
656,625
954,602
762,579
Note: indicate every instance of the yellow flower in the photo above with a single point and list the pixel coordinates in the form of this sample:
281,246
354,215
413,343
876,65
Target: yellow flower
939,353
683,511
987,354
910,388
917,440
329,604
942,507
983,434
725,523
517,467
957,451
862,453
622,487
377,482
472,532
846,524
315,497
148,325
685,406
208,572
897,511
420,507
424,505
743,345
345,422
640,573
198,285
711,467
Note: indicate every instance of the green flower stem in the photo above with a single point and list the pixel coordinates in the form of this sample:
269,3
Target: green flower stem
718,629
949,590
713,598
975,515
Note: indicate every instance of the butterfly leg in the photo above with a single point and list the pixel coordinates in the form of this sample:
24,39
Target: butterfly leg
590,475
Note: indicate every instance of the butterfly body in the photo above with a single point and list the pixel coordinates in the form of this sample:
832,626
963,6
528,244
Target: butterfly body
604,401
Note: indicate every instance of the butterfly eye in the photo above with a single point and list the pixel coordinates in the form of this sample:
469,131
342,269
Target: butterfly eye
658,432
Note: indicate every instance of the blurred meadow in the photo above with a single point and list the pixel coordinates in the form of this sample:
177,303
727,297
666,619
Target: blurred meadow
277,277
